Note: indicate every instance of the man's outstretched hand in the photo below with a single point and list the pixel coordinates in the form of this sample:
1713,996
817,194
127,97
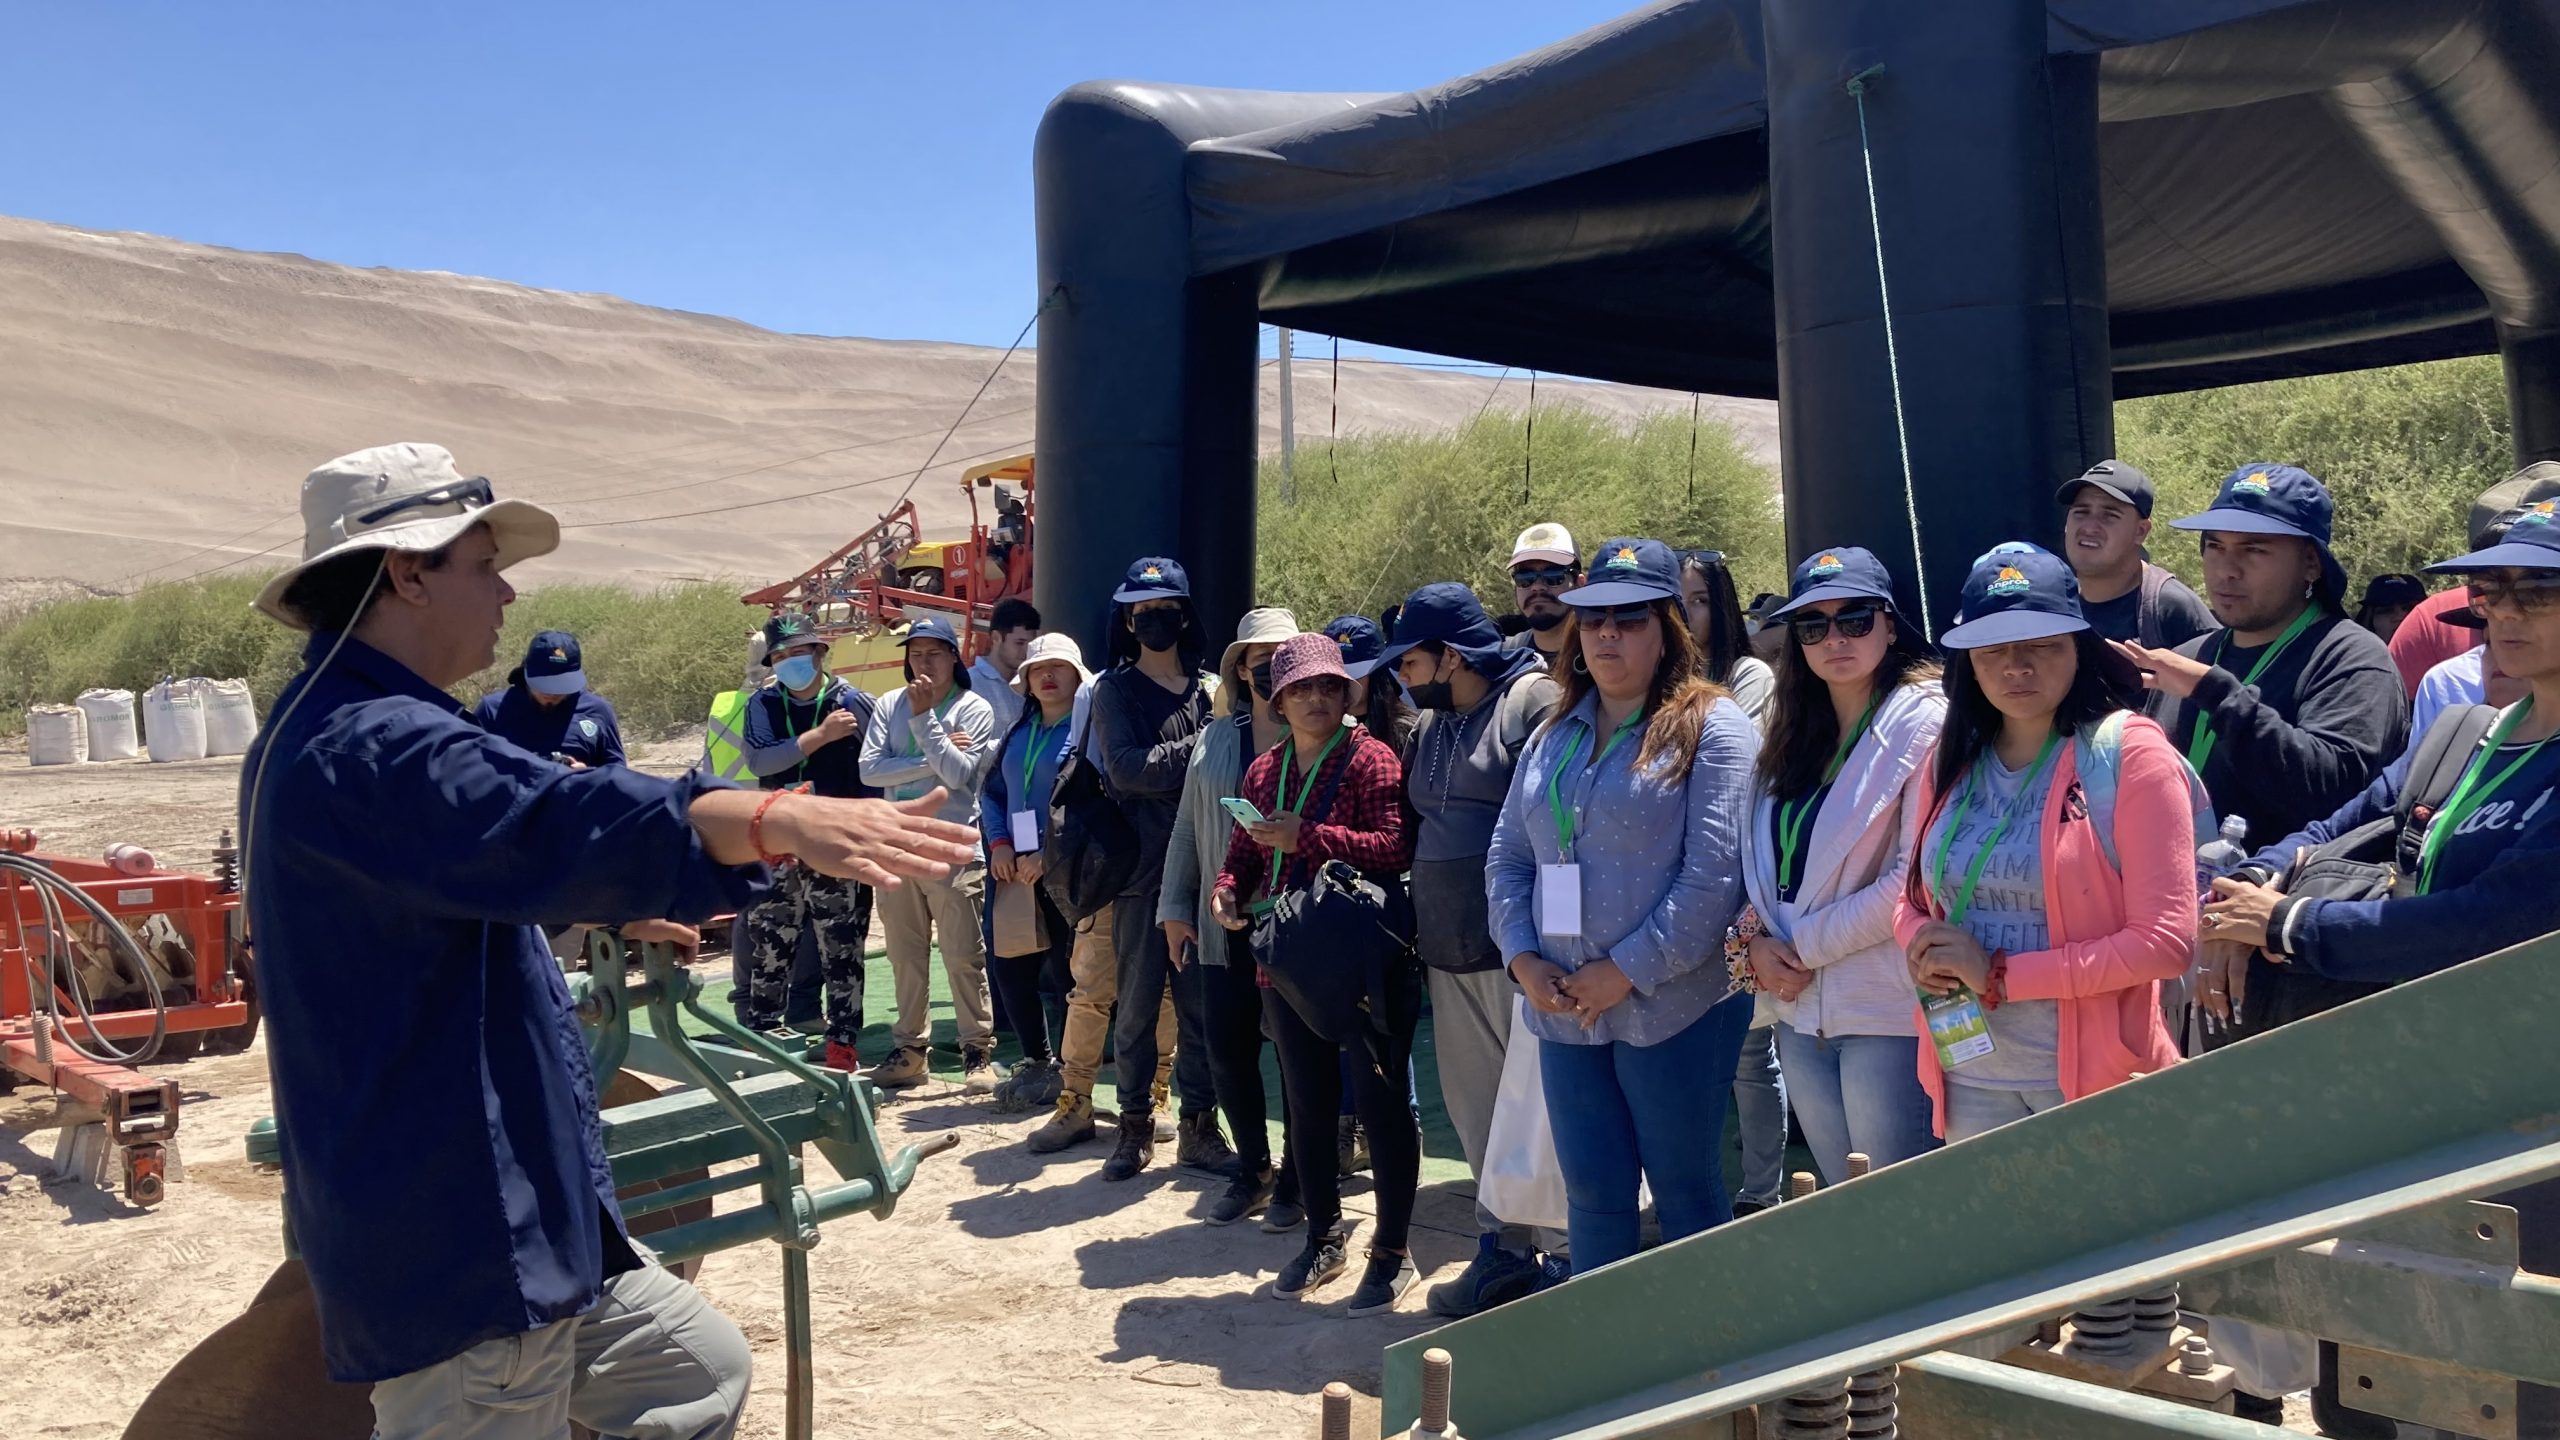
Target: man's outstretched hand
874,841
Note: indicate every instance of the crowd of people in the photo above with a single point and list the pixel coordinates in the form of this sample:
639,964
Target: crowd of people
1819,867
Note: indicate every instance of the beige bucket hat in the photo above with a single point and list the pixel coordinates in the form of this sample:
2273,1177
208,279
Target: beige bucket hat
403,497
1267,626
1051,649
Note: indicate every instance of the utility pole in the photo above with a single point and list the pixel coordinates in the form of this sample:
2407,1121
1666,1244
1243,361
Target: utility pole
1288,422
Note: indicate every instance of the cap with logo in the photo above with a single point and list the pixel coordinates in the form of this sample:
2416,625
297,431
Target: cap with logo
1546,541
551,664
788,629
2277,500
403,497
1153,578
2532,543
1443,613
930,627
1364,645
2505,500
1843,572
2115,479
2016,592
1627,571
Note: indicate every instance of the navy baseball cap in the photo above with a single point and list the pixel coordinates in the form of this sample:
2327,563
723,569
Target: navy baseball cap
2016,592
931,627
551,664
1364,645
1443,613
2532,543
1153,578
2115,478
1844,573
2261,499
1627,571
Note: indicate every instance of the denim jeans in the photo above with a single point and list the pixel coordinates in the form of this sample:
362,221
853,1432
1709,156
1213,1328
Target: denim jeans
1760,1098
1974,1109
1627,1113
1857,1092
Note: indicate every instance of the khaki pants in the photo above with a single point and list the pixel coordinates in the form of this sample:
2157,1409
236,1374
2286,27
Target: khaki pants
915,915
1095,966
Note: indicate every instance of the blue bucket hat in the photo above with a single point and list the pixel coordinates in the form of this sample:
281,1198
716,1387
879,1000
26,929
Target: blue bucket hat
2532,543
1364,645
552,665
2016,592
1627,571
1443,613
1153,577
2261,499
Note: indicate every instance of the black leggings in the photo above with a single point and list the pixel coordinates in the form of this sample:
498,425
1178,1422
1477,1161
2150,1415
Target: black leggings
1020,979
1235,1052
1311,1073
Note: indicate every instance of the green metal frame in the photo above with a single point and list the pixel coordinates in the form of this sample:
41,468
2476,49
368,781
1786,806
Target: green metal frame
2436,1091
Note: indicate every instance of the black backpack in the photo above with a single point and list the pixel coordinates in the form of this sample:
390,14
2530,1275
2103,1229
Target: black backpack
2378,860
1091,853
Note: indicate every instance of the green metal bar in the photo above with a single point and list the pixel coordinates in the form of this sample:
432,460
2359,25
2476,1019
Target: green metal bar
671,1196
760,1222
2453,1311
1951,1397
649,1055
693,1130
2440,1089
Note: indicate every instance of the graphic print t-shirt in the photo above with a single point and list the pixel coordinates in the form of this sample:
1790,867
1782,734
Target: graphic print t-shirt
2007,914
2525,798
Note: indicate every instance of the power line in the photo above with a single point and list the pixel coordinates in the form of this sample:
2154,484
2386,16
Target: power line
1008,448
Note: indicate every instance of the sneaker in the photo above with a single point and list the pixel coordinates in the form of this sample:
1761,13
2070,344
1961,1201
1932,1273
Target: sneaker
1031,1085
1743,1208
1070,1124
1324,1258
1382,1284
1494,1277
1248,1192
1350,1146
978,1072
841,1056
905,1067
1137,1149
1282,1216
1553,1270
1203,1146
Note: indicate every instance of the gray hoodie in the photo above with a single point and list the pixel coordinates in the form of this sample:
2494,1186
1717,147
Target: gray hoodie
1456,778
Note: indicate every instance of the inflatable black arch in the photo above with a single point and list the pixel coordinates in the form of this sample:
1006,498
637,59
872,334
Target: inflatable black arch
2079,200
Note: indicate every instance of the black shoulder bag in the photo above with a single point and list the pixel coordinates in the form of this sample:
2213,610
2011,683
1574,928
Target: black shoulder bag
1091,852
1327,945
2378,860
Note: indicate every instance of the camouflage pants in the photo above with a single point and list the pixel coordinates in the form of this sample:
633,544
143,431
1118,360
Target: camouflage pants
841,911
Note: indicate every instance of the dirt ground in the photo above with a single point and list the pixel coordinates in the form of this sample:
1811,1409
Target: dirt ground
1012,1296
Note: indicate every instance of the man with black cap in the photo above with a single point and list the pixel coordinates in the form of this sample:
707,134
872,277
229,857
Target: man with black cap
2287,710
2106,521
1480,702
547,708
1148,712
2442,626
805,729
935,732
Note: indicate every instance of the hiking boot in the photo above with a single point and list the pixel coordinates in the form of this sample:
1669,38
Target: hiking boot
1324,1258
1160,1097
1494,1277
841,1056
1382,1284
1204,1146
978,1073
1070,1124
1032,1085
1248,1192
905,1067
1350,1146
1136,1151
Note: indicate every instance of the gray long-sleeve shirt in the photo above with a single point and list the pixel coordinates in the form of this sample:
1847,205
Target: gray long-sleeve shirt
907,754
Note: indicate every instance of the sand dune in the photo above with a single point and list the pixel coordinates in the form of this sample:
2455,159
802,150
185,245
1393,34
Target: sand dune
161,400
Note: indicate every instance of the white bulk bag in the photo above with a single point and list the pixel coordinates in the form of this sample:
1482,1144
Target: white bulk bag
57,735
112,735
230,717
173,720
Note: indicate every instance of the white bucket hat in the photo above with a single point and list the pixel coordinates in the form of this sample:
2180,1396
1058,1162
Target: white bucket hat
1050,649
403,497
1267,626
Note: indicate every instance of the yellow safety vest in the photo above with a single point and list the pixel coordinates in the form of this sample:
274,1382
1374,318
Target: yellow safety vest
724,736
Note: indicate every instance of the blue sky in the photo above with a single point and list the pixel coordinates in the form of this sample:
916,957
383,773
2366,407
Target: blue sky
844,168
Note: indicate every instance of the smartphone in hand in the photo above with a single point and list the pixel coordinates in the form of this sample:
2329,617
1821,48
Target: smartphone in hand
1240,809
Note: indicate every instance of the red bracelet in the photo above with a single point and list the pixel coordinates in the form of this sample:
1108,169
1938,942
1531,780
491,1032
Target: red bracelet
755,826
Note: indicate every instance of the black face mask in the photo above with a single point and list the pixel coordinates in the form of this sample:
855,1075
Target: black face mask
1262,680
1158,629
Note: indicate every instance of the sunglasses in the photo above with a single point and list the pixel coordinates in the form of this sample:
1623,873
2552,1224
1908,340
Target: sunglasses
1553,577
1621,617
469,494
2533,597
1856,623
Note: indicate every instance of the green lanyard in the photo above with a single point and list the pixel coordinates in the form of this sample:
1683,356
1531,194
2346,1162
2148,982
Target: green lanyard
1031,753
1564,814
2200,746
939,712
1299,805
2471,794
1792,813
1964,806
791,731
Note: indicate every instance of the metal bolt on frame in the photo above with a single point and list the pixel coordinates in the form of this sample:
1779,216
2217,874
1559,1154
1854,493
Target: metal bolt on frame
1800,1184
1436,1367
1859,1164
1337,1411
2195,1356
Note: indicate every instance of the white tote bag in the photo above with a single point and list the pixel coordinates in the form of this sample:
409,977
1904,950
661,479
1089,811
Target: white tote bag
1522,1184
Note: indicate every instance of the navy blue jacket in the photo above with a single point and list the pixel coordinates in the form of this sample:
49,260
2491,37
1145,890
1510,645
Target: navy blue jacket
775,718
444,1167
586,729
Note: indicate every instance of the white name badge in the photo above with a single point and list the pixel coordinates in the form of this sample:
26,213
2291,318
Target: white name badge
1026,832
1560,901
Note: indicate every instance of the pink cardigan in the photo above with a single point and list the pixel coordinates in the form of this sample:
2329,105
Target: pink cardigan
2115,937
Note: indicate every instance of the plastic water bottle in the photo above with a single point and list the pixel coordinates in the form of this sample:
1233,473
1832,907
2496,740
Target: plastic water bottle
2221,855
